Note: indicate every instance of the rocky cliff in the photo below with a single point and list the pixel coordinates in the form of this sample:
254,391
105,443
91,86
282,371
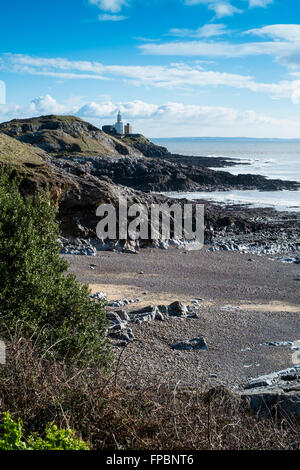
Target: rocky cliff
77,193
84,168
131,161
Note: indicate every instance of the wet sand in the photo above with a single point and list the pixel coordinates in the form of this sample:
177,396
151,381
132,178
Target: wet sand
247,301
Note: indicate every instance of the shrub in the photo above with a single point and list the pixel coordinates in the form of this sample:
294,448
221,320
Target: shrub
35,288
11,437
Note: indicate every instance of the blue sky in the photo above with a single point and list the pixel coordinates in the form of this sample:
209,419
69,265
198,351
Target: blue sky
174,67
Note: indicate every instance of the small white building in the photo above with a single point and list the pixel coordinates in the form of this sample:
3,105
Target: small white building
119,126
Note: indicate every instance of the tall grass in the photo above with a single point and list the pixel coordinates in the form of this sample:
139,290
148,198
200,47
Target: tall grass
114,414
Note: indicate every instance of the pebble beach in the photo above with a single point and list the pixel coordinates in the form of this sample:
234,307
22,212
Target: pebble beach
247,310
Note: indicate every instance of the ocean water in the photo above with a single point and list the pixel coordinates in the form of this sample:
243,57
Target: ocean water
279,159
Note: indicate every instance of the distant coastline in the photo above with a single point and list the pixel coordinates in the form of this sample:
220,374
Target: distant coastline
272,158
223,139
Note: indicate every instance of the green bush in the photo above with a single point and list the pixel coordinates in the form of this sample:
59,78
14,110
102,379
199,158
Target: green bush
11,437
35,289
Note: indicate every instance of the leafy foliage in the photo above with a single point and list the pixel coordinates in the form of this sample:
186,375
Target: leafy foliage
35,288
11,437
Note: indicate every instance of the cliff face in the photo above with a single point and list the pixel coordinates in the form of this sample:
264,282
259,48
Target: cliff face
76,193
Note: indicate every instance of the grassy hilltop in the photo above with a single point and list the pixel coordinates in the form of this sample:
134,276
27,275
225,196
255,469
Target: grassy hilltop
66,135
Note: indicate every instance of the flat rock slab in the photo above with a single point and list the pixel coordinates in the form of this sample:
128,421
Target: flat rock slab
194,344
280,389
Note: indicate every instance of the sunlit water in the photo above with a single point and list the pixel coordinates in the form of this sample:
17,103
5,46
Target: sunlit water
273,159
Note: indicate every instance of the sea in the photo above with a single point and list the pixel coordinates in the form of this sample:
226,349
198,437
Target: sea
273,158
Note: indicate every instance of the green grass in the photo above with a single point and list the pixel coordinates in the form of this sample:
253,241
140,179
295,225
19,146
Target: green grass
16,153
52,117
27,161
129,140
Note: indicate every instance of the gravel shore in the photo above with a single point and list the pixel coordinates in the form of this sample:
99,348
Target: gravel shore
246,301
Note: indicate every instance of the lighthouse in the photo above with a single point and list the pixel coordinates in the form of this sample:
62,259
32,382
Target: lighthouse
119,126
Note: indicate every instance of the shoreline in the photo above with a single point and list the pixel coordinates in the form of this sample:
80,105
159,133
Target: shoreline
228,227
220,198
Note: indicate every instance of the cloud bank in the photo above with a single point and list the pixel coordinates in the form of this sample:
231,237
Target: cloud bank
279,41
168,119
177,75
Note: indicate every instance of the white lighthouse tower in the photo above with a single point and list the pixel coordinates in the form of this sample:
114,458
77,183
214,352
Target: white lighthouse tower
119,126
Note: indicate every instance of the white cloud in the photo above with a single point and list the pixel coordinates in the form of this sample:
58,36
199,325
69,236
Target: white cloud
220,7
259,3
286,42
289,32
224,9
114,6
106,17
283,44
176,75
168,119
281,41
218,49
41,105
57,67
206,31
47,105
133,109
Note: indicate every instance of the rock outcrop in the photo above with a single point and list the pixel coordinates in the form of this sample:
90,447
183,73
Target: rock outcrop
159,175
119,320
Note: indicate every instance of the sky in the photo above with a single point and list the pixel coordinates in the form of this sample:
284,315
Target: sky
175,68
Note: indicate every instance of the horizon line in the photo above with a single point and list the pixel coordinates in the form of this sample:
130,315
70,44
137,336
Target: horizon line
228,138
